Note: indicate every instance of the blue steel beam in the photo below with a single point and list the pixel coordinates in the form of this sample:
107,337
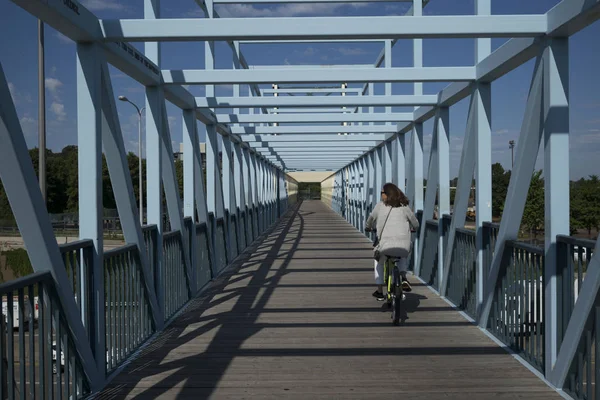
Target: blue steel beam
322,146
301,1
313,155
483,164
430,193
309,90
312,118
556,183
520,179
294,68
570,16
298,28
315,101
284,41
120,177
310,129
25,198
84,26
315,138
318,75
307,110
89,140
584,308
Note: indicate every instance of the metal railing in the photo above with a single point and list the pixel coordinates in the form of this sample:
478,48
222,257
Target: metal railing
128,316
489,238
251,226
78,258
39,360
233,235
461,289
244,242
411,261
516,317
175,280
429,257
203,256
150,233
221,245
574,255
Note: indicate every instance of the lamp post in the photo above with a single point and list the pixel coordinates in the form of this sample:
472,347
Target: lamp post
511,145
41,111
141,207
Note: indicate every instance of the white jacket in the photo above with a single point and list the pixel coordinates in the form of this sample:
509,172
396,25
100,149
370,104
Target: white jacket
395,237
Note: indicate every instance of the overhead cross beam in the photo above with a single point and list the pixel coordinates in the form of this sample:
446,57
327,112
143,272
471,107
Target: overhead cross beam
321,117
300,1
315,101
348,28
318,75
311,129
270,138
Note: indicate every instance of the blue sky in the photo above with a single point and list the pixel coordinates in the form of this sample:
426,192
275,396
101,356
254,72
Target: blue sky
19,60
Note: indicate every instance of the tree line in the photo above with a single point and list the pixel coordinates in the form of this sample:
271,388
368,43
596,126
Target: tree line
584,198
62,191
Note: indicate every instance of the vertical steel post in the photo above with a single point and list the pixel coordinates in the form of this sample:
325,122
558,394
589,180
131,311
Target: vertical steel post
89,139
556,180
483,168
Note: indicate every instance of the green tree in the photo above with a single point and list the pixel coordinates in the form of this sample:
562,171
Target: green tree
585,203
533,214
179,173
500,181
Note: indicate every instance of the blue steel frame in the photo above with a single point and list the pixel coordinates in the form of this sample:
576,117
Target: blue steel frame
257,152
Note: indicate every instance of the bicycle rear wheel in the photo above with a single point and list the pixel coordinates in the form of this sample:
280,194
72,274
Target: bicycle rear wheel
396,298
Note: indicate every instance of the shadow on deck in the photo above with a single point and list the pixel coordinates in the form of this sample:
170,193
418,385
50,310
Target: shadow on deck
294,318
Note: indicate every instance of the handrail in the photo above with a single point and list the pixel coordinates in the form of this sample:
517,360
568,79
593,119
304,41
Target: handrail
119,250
431,222
24,281
493,225
573,241
466,231
171,234
525,246
72,246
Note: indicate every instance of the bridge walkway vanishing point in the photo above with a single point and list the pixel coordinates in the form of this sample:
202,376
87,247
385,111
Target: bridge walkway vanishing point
294,318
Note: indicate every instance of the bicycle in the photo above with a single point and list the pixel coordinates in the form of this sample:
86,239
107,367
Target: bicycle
393,282
395,295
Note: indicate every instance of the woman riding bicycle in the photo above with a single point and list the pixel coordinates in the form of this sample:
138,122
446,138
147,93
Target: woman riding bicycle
393,220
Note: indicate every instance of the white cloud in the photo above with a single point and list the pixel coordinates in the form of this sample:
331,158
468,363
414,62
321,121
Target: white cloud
99,5
501,131
172,122
350,51
285,10
53,84
29,126
310,52
59,110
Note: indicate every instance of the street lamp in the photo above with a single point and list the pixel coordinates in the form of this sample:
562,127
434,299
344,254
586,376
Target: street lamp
123,98
511,145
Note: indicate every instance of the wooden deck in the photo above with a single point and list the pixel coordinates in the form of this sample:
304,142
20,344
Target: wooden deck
294,318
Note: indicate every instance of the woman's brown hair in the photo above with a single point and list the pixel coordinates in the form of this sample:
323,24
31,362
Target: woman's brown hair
395,196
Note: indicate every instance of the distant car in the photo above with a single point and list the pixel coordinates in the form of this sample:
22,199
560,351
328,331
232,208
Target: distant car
16,318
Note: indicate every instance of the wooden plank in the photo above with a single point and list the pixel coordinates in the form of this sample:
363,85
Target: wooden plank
295,318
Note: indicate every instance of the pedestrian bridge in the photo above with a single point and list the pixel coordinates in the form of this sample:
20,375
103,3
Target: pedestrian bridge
241,288
294,317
